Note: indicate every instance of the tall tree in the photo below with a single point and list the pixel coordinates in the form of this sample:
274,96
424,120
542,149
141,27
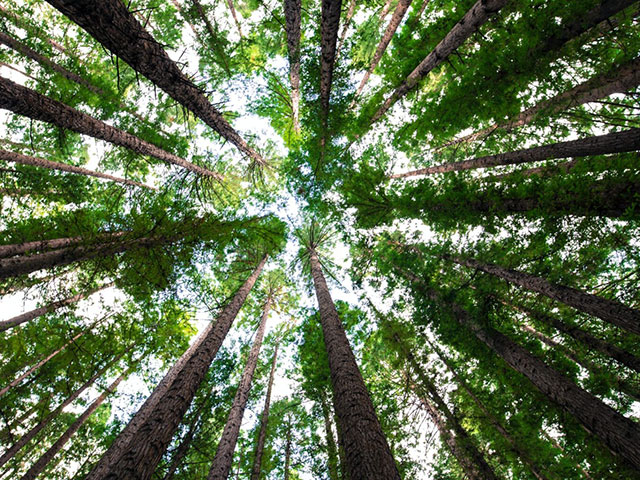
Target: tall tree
292,10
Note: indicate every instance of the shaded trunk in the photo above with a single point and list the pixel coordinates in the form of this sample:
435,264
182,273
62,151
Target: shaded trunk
396,18
608,310
617,142
223,460
264,420
418,15
30,29
37,468
292,27
232,9
347,21
111,24
329,36
287,454
368,456
52,307
139,448
385,10
621,79
332,451
27,102
52,244
344,475
212,35
472,20
65,167
183,448
30,435
559,447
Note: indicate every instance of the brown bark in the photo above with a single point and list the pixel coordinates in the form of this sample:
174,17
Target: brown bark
37,468
111,24
332,450
232,9
621,79
30,29
329,36
52,307
292,27
608,310
368,456
221,465
419,13
396,18
64,167
27,102
140,446
347,21
183,448
264,420
472,20
385,10
287,454
559,447
617,142
51,244
30,435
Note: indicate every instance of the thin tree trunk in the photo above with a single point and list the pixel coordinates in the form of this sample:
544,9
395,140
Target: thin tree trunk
332,451
14,249
617,432
223,460
111,24
185,443
232,9
608,310
287,454
212,34
139,448
37,468
617,142
329,35
472,20
419,13
52,307
23,24
396,18
559,447
64,167
27,102
522,454
264,420
30,435
367,452
347,21
385,10
620,79
292,18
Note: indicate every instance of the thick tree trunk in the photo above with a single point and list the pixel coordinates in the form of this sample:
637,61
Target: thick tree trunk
37,468
332,450
140,446
608,310
396,18
65,167
25,317
27,102
292,18
264,420
223,460
347,21
52,244
472,20
617,142
621,79
344,475
30,435
329,36
111,24
367,452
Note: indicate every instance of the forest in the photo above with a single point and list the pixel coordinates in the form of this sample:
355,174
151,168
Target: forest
319,239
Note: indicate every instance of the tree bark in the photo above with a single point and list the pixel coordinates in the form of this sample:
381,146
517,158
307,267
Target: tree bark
621,79
14,249
264,420
111,24
183,448
608,310
223,460
396,18
385,10
212,35
232,9
30,435
37,468
27,102
332,451
347,21
292,18
287,454
140,446
329,36
64,167
419,13
367,453
25,317
617,142
472,20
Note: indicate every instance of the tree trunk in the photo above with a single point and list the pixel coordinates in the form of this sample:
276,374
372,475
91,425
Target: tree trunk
522,454
329,35
367,452
64,167
264,420
472,20
232,9
617,142
396,18
37,468
332,451
27,102
287,454
30,435
559,447
25,317
621,79
419,13
31,30
347,21
139,448
344,475
111,24
52,244
608,310
183,448
292,27
223,460
212,34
